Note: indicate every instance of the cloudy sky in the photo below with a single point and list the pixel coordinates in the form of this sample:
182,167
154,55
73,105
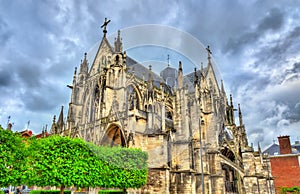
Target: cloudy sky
255,43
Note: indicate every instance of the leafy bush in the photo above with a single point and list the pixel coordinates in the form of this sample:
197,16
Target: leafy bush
1,192
48,192
295,190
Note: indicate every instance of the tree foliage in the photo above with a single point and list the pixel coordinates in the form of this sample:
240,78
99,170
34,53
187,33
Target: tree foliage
63,162
13,155
127,167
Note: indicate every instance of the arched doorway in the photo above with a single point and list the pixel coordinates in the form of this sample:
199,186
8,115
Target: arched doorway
114,137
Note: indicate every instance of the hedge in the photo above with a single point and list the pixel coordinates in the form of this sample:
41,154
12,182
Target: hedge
48,192
111,192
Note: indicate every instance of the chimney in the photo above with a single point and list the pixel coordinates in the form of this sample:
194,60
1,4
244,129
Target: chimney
285,144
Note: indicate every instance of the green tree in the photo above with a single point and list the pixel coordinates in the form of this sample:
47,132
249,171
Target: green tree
62,162
13,155
126,167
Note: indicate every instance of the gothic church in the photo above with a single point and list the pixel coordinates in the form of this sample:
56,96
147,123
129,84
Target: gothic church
184,122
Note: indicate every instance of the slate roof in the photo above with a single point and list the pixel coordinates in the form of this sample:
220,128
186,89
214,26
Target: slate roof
272,150
296,146
142,72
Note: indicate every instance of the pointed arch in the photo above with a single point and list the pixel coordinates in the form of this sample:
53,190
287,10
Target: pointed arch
114,136
131,92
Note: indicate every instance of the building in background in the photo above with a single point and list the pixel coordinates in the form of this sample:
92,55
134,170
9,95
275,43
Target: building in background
185,123
285,162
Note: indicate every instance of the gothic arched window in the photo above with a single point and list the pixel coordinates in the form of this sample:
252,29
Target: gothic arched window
132,98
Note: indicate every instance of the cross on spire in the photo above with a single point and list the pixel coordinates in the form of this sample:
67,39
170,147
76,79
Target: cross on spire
208,52
104,26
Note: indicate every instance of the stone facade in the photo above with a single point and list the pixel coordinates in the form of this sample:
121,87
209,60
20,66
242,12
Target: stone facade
185,123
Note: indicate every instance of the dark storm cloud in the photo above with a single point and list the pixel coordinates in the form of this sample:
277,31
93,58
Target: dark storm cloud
293,114
29,76
36,100
274,55
6,76
247,82
5,32
273,20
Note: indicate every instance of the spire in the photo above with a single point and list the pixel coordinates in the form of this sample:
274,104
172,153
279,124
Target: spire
104,26
60,121
258,147
222,87
84,60
180,66
74,76
150,78
240,116
46,128
231,112
180,76
53,129
195,77
84,66
118,43
54,118
150,85
168,60
9,125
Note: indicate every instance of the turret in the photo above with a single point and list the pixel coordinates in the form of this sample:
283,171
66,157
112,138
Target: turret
73,87
150,90
84,66
230,112
118,43
53,129
240,116
60,122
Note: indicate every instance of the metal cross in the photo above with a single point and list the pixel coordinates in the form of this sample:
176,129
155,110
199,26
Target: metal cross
104,26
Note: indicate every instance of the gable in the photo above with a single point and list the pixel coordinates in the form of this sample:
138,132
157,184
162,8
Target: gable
211,79
102,58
